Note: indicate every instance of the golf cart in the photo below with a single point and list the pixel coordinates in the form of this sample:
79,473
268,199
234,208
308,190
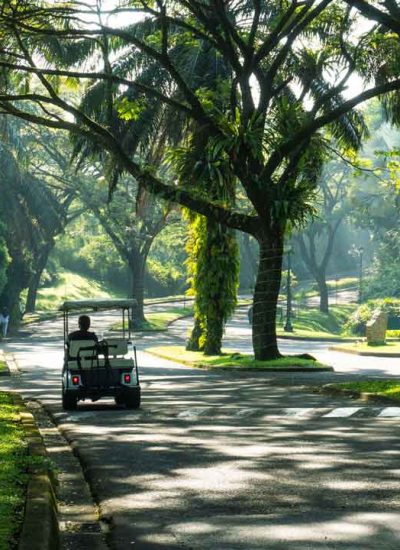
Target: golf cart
100,369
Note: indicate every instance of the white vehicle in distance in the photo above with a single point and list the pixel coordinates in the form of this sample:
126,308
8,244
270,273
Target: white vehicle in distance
93,370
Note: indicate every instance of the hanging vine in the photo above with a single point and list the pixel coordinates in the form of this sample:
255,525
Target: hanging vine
213,253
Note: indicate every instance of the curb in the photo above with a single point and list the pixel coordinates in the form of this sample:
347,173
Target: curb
3,358
364,353
265,369
203,366
314,338
353,394
40,529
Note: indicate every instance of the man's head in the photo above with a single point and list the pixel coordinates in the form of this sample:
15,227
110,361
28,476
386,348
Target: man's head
84,322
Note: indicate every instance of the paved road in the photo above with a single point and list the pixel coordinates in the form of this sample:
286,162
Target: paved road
228,462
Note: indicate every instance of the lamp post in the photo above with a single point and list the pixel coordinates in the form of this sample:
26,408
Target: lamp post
288,325
360,275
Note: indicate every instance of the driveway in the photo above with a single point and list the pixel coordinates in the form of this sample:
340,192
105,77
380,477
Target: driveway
229,462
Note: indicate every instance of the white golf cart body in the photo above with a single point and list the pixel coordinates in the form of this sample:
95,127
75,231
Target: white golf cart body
108,368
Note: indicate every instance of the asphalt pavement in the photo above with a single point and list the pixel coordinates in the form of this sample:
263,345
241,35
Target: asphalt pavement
229,461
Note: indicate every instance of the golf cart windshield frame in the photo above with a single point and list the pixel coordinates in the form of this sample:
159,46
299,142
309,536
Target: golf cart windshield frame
126,306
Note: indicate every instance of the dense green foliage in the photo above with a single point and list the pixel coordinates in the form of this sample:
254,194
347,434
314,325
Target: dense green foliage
213,266
165,273
385,279
85,248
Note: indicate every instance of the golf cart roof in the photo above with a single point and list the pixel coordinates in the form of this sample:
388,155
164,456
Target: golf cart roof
97,304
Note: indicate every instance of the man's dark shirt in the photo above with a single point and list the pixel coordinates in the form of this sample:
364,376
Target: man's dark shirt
82,335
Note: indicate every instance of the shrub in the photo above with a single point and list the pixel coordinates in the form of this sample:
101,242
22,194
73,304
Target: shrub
357,322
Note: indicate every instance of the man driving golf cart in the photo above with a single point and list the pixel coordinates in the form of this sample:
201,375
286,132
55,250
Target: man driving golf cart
94,369
83,332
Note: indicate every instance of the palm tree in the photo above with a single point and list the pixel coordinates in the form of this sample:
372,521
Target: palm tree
272,139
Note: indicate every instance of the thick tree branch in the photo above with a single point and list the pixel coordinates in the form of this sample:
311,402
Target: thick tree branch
100,76
176,194
374,13
309,129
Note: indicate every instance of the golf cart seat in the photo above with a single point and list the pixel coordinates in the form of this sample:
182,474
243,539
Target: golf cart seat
117,346
117,349
80,357
77,347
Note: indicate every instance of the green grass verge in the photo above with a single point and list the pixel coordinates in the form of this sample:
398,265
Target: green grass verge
13,477
230,360
390,348
312,323
381,388
3,366
159,320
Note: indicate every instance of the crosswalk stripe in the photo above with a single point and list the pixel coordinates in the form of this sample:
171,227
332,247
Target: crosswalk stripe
342,412
288,412
390,412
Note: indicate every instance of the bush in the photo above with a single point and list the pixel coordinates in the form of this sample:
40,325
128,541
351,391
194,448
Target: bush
164,280
357,322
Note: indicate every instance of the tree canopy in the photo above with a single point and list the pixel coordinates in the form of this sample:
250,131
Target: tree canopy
290,89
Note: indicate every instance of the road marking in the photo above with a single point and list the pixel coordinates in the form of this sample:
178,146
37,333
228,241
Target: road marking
305,413
390,412
342,412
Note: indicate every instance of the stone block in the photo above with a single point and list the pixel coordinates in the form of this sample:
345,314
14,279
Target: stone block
376,328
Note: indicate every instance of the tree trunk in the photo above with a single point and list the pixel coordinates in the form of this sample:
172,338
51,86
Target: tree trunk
30,305
266,295
17,279
323,292
137,266
34,281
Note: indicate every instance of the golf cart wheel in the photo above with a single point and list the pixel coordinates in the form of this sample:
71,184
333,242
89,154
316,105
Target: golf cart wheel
132,399
119,400
69,401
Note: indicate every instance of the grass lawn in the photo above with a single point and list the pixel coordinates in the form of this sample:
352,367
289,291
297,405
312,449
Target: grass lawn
230,360
344,282
312,323
340,284
383,388
70,287
390,348
13,478
3,367
159,320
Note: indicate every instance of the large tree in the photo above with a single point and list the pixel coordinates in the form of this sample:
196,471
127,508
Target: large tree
28,212
291,64
316,242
